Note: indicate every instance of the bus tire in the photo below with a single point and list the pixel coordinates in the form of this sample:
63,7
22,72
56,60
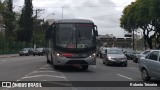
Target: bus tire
47,59
84,67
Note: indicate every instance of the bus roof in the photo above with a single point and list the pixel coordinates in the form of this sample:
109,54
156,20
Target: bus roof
73,21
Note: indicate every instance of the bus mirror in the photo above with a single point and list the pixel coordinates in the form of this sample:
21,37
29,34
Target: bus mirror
96,31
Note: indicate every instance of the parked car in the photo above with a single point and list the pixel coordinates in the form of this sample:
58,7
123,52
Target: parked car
149,66
114,56
139,55
26,51
39,51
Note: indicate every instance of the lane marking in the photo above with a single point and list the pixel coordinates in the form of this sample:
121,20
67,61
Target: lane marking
4,60
73,88
42,76
31,72
44,71
124,76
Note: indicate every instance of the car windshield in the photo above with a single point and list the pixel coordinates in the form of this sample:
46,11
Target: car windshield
146,52
114,51
75,36
25,49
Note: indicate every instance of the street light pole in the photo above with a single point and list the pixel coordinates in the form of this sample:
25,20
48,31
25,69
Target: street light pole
34,33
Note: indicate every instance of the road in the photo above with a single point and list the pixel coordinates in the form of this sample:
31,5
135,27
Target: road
30,68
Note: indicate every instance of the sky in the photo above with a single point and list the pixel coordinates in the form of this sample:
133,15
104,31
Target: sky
104,13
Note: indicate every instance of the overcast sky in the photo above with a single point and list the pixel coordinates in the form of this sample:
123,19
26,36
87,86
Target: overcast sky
104,13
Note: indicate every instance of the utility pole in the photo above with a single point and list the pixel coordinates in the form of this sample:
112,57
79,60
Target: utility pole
36,27
133,41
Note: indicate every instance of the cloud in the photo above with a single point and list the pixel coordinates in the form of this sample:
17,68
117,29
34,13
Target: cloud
104,13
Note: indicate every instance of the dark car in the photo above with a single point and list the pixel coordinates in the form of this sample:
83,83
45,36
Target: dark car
114,56
136,55
39,51
26,51
130,54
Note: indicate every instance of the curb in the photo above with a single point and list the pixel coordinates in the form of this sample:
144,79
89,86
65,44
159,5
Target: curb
7,56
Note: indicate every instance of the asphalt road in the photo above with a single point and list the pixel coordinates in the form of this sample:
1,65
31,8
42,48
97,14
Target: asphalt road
30,68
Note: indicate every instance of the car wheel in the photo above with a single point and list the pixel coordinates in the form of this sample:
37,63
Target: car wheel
103,62
107,63
144,74
84,67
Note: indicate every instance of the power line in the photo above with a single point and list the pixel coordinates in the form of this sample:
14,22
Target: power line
81,6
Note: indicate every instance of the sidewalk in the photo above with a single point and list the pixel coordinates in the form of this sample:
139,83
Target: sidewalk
9,55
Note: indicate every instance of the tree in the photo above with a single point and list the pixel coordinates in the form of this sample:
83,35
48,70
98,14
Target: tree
142,14
10,6
26,22
9,19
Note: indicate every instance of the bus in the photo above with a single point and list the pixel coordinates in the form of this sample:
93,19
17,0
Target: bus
71,42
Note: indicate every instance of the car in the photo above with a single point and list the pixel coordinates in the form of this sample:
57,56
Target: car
130,54
140,54
101,52
114,56
149,66
26,51
39,51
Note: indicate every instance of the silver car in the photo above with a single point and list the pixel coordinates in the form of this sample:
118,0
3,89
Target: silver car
150,65
143,54
114,56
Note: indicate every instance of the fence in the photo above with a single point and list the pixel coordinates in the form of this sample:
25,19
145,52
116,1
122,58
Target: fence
13,47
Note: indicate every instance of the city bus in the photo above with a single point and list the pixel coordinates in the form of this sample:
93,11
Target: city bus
71,42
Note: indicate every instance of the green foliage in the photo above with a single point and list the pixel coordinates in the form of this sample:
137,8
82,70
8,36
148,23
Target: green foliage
26,23
143,14
8,19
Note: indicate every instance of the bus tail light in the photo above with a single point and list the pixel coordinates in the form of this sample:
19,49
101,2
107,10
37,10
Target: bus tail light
68,55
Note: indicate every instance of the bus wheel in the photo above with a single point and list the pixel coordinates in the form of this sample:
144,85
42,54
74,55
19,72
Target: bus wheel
84,67
47,59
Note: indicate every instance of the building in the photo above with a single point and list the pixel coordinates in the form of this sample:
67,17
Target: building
111,41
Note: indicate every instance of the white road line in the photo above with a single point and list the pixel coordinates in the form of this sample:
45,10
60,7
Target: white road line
4,60
32,72
73,88
124,76
45,71
42,76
